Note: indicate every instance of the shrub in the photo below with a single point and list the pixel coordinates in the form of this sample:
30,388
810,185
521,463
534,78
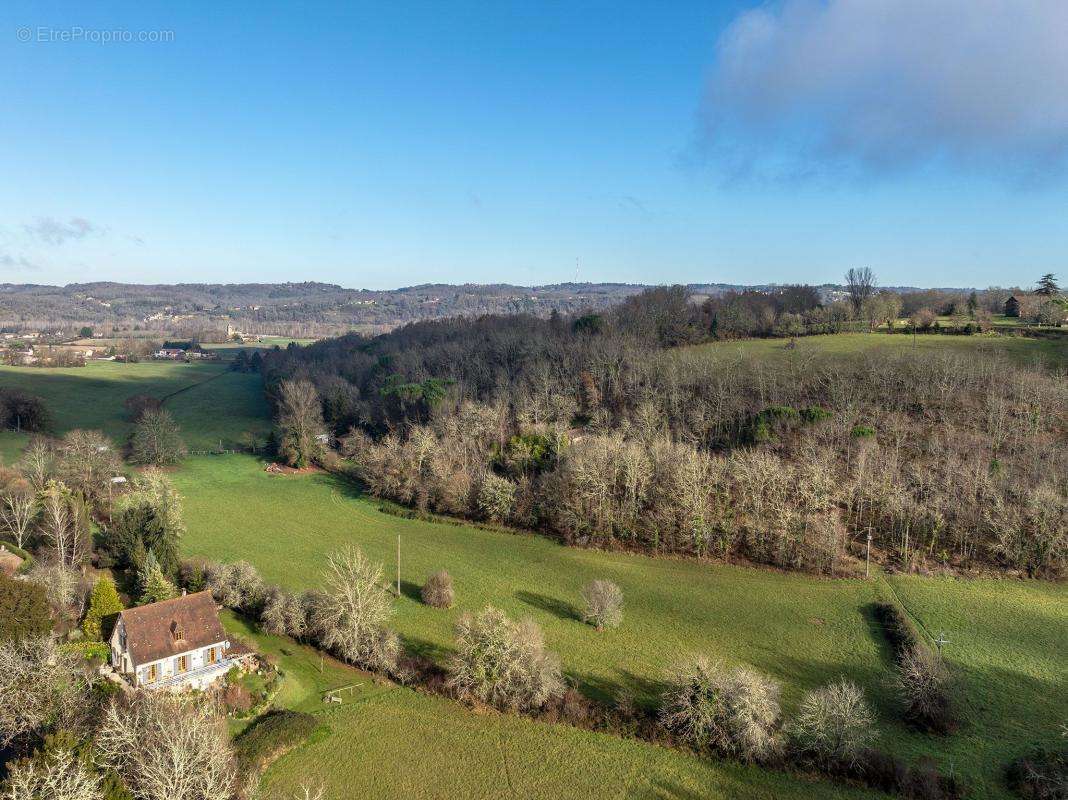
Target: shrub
191,574
438,591
237,586
270,737
236,697
862,432
24,609
1041,775
834,725
495,498
922,683
731,711
503,663
603,604
104,605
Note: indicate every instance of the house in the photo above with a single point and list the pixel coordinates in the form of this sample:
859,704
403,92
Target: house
173,644
1012,307
169,354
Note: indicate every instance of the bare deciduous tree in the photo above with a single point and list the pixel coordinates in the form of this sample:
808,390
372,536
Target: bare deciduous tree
63,524
300,420
860,283
59,775
603,602
350,617
18,507
41,687
166,746
157,439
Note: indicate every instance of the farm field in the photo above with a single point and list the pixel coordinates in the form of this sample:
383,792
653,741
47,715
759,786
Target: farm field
209,402
396,744
1051,352
802,631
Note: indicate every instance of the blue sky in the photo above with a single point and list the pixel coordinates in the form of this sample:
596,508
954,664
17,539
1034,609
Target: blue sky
393,144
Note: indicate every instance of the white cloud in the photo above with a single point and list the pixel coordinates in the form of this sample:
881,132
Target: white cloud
884,85
51,231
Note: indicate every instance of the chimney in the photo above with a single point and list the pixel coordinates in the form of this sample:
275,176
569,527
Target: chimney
183,592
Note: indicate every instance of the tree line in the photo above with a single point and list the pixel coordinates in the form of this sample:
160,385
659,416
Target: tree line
593,428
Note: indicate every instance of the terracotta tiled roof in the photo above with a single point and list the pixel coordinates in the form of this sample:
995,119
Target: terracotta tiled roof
150,630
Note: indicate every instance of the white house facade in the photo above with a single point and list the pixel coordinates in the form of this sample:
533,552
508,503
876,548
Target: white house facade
173,644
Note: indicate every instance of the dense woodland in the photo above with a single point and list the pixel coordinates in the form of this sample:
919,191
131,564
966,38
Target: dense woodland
597,429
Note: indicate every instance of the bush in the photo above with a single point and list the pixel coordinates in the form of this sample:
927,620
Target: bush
834,725
24,609
603,604
1041,775
922,683
731,711
237,586
438,591
495,498
270,737
503,663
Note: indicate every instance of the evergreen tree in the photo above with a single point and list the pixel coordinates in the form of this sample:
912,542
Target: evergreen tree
154,584
104,603
1047,285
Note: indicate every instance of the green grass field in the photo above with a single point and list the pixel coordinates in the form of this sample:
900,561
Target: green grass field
393,743
210,403
1008,637
1023,350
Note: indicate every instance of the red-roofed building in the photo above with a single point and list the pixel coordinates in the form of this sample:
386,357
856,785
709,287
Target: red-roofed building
173,644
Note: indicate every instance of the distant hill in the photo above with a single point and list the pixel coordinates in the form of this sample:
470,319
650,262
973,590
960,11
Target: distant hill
297,309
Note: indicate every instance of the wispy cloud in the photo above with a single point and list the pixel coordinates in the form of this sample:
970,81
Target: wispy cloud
811,87
18,263
49,230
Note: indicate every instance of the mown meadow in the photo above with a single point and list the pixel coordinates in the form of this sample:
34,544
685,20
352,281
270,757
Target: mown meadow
393,743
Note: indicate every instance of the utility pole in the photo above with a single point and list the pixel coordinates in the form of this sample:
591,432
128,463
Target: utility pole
398,565
941,640
867,556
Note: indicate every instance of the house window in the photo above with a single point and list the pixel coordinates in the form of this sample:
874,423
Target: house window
176,630
181,664
151,674
213,655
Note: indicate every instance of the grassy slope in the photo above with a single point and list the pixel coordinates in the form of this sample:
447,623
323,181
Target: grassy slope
393,743
211,403
802,631
1052,353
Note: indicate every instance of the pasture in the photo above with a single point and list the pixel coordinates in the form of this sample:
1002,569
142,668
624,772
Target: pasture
210,403
1052,353
1007,637
393,743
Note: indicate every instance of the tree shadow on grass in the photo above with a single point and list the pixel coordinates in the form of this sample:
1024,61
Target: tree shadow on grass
411,590
424,648
558,608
